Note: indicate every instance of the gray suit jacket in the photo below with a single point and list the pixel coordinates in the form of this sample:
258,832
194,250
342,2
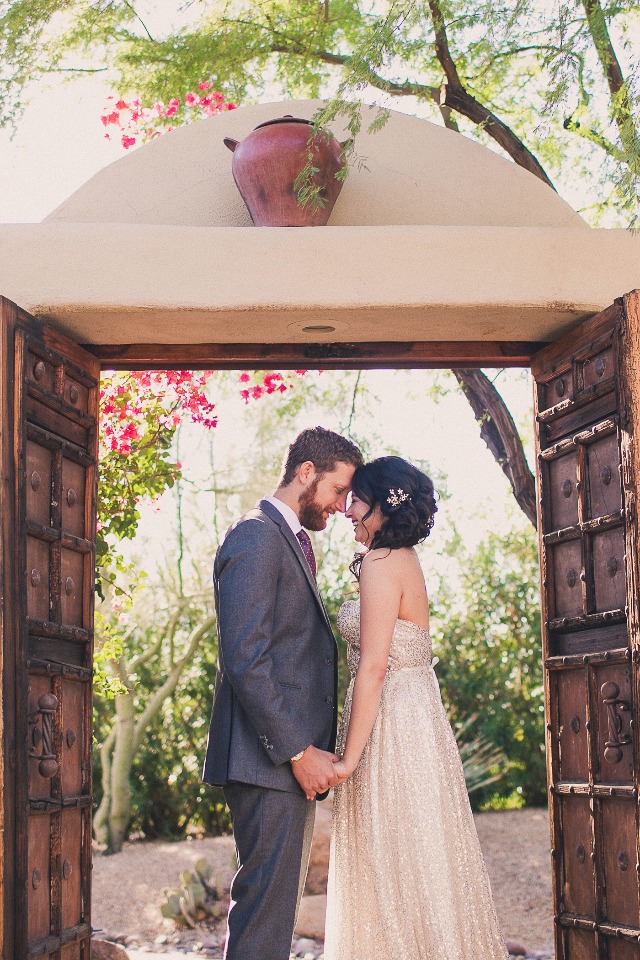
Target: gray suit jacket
276,688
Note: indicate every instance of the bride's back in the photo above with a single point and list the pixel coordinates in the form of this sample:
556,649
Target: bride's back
403,567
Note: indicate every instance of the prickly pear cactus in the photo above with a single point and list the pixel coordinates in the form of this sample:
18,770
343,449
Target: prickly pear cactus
197,898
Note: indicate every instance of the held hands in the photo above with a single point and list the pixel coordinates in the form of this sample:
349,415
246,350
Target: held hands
315,771
342,770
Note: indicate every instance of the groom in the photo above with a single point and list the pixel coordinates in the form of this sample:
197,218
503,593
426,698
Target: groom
273,725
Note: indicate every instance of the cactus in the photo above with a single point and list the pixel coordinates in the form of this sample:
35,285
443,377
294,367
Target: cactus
197,898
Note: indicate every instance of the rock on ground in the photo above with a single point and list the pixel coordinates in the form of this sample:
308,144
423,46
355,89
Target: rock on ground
311,917
106,950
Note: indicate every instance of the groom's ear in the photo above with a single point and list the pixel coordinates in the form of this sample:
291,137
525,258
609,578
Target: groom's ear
306,472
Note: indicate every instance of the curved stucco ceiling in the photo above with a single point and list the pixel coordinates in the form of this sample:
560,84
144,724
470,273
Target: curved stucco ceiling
413,173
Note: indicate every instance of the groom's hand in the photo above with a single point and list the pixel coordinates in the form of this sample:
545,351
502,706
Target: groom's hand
315,771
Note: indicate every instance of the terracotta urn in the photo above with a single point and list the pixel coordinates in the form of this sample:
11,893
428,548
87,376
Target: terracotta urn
267,163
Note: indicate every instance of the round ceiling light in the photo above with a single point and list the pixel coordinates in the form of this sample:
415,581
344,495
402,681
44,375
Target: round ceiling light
320,328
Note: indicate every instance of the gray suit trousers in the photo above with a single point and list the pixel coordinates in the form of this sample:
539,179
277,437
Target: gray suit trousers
272,831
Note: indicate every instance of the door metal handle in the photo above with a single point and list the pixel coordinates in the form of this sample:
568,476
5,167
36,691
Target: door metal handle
42,739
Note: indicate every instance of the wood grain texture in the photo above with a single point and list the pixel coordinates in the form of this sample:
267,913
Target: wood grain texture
554,356
629,387
313,356
587,394
8,623
49,403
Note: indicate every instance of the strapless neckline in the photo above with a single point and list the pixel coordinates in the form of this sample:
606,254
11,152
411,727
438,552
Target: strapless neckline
409,623
410,642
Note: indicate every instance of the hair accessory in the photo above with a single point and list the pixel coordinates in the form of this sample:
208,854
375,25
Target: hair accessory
396,497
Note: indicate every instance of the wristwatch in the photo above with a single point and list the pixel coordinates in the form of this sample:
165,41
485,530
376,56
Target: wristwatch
298,756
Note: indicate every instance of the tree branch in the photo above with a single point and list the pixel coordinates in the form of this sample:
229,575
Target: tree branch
499,432
448,118
452,96
170,683
139,19
404,89
353,402
456,97
587,133
621,109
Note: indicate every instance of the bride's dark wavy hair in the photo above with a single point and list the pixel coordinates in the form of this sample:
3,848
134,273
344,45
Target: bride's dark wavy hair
408,518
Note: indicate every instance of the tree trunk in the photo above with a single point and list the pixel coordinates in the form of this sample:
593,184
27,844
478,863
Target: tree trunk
500,434
119,750
121,763
101,818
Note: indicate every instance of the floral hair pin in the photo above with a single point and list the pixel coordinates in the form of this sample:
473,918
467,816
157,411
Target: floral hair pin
396,497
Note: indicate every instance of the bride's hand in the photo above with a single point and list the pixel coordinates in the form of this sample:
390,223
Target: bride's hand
341,769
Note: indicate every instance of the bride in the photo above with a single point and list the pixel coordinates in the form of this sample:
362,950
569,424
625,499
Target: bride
406,876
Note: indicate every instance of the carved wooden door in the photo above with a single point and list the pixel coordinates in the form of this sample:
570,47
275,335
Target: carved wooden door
587,391
49,400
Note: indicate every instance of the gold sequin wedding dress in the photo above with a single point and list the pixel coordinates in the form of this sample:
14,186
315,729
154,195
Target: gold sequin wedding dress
406,879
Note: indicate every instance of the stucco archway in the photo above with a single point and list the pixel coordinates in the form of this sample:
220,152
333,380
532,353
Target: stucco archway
438,240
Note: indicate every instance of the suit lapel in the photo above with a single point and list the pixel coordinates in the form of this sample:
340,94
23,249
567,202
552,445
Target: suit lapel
294,543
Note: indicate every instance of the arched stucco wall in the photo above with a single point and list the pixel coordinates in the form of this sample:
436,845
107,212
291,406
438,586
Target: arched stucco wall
439,240
414,173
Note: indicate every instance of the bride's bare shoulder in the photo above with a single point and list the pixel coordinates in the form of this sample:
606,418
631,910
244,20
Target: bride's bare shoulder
383,557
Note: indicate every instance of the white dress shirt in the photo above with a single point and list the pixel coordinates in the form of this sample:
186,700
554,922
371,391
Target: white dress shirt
289,515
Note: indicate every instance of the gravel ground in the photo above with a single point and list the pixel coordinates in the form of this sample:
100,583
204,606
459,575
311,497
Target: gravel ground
127,887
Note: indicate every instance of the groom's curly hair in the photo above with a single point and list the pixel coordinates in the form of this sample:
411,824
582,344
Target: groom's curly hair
323,448
406,498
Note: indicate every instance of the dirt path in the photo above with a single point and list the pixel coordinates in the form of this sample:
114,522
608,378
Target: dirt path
127,887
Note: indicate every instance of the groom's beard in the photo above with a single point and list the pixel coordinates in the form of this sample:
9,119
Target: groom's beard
311,513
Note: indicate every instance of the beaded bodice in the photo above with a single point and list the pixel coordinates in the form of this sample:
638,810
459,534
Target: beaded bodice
410,644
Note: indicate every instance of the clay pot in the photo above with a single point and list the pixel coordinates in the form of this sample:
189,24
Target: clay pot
267,163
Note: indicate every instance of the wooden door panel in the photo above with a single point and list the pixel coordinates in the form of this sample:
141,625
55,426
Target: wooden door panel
38,576
608,558
598,368
562,491
39,475
570,701
579,945
622,949
72,581
580,417
603,467
39,370
591,640
75,393
72,951
49,397
73,748
72,868
587,400
566,564
73,498
577,859
619,841
559,389
39,877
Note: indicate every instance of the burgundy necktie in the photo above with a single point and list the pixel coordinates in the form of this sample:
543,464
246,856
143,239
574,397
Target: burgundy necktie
307,549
